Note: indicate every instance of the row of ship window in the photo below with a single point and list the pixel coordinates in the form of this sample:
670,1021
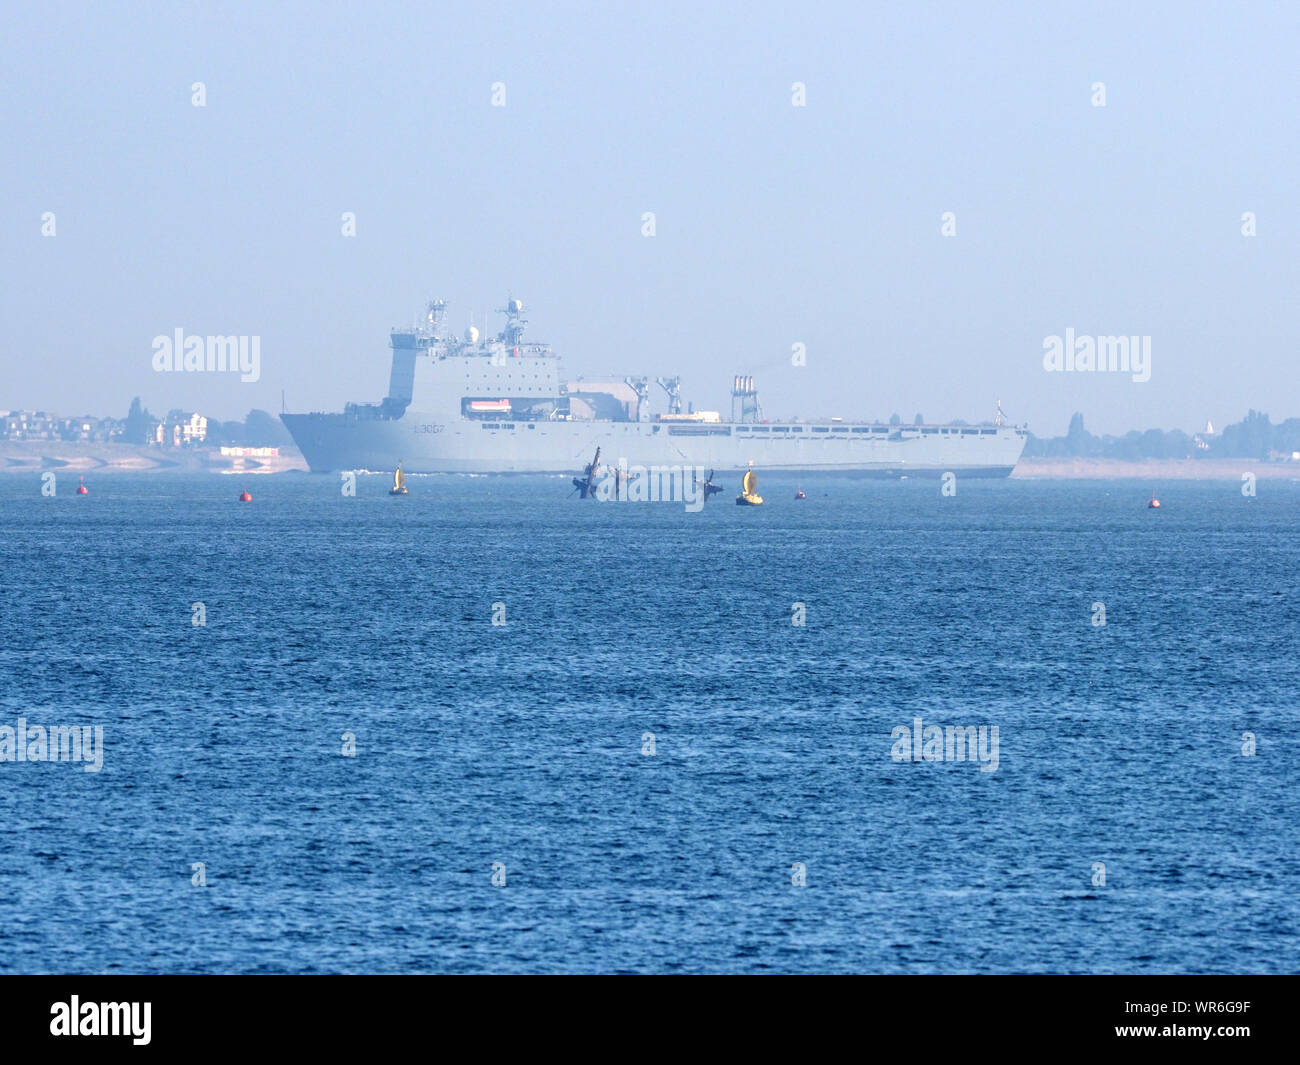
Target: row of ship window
858,429
782,429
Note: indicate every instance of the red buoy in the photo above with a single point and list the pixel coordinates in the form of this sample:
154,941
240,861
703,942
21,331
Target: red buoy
1154,502
244,497
82,490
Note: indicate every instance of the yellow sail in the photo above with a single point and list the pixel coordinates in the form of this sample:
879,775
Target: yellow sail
399,480
751,482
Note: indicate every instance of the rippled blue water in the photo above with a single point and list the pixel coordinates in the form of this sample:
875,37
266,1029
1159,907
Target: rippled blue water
522,745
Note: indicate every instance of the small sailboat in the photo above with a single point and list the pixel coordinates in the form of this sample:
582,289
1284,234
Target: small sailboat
244,497
399,483
1155,503
799,493
749,497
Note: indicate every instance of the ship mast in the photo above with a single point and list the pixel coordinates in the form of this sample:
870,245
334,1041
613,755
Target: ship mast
434,314
513,334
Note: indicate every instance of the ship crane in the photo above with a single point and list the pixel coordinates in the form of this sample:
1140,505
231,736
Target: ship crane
641,386
673,386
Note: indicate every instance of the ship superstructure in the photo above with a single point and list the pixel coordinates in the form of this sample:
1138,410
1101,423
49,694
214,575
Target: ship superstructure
472,404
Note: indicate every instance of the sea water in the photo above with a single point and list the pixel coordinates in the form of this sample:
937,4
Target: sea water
490,727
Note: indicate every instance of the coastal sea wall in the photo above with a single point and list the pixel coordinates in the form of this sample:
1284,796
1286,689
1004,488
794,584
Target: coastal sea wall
41,455
36,456
1154,469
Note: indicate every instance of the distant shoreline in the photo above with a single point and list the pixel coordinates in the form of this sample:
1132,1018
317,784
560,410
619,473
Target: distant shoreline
1153,469
80,458
37,456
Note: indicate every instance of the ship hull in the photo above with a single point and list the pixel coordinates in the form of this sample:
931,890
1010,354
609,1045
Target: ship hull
426,443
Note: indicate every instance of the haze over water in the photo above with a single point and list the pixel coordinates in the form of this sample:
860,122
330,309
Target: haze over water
801,168
522,744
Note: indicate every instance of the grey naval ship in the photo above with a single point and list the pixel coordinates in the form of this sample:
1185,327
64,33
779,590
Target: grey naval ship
470,404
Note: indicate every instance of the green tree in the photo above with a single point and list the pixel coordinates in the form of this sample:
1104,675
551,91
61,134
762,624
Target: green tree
265,430
139,422
1252,437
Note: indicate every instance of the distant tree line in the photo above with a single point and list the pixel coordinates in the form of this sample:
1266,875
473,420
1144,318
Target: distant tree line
1255,436
258,429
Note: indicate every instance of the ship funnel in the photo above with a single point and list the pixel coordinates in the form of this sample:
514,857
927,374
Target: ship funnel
744,399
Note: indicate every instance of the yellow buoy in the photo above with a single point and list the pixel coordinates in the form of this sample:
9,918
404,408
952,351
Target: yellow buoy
749,496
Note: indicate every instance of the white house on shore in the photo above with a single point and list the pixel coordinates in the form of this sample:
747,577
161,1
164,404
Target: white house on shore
181,429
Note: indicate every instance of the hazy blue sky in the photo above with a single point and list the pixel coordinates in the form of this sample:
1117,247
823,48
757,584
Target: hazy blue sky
775,224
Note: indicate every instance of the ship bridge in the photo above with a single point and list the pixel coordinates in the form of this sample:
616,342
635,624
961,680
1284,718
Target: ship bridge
471,374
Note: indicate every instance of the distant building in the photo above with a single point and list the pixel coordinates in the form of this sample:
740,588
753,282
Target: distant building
1202,440
194,429
40,425
30,425
251,452
181,429
111,430
74,430
13,425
